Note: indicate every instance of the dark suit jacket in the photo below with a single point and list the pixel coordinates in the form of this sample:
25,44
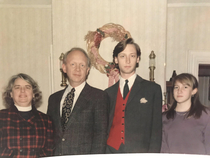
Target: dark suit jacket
143,120
86,131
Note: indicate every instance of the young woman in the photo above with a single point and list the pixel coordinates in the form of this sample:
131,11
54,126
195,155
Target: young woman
186,125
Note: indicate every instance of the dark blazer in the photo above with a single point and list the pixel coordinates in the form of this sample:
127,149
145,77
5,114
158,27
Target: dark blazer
143,116
25,138
86,131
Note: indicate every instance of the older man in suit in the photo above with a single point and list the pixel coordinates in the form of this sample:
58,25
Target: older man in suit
79,112
135,122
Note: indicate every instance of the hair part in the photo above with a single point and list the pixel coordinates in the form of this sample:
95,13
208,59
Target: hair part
77,49
196,107
7,99
121,47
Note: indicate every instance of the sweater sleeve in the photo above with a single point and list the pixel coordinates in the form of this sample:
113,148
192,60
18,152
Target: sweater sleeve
207,135
164,145
49,144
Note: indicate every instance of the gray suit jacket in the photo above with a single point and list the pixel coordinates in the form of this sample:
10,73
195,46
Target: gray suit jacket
143,116
86,131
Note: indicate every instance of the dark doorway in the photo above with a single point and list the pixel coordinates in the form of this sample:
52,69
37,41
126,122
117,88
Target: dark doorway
204,83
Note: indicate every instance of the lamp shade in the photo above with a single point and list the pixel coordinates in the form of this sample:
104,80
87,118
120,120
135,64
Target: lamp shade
152,62
61,60
152,59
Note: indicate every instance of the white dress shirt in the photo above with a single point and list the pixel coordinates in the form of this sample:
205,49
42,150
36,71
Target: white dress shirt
77,92
130,82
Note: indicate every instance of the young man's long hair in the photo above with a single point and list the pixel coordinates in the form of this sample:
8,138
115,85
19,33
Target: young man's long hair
196,107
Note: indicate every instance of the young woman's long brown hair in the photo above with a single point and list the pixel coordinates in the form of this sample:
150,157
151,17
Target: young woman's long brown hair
196,107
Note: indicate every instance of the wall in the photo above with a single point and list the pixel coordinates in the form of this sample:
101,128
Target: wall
188,29
25,43
145,20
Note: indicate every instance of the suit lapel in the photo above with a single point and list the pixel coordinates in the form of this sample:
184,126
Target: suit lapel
135,88
57,109
114,98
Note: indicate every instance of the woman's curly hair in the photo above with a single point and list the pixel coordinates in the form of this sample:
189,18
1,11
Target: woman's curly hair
7,99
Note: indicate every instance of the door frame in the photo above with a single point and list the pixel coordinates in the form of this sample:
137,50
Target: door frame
196,57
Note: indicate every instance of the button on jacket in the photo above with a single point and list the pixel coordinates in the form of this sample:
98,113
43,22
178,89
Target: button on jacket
25,138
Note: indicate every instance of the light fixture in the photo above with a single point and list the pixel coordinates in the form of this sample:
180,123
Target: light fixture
63,75
152,65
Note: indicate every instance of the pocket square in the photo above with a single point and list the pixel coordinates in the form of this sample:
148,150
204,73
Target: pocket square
143,100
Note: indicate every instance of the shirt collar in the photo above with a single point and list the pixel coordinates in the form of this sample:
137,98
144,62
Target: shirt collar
24,109
14,108
78,89
131,80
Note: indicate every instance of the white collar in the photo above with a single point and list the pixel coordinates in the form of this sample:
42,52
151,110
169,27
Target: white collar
78,89
131,80
24,109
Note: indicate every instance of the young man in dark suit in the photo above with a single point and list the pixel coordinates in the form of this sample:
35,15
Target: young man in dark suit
79,112
135,119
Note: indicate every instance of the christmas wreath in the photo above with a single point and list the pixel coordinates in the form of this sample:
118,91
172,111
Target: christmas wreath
94,39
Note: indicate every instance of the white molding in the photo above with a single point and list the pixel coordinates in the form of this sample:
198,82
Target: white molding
23,6
26,2
51,70
196,57
188,4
